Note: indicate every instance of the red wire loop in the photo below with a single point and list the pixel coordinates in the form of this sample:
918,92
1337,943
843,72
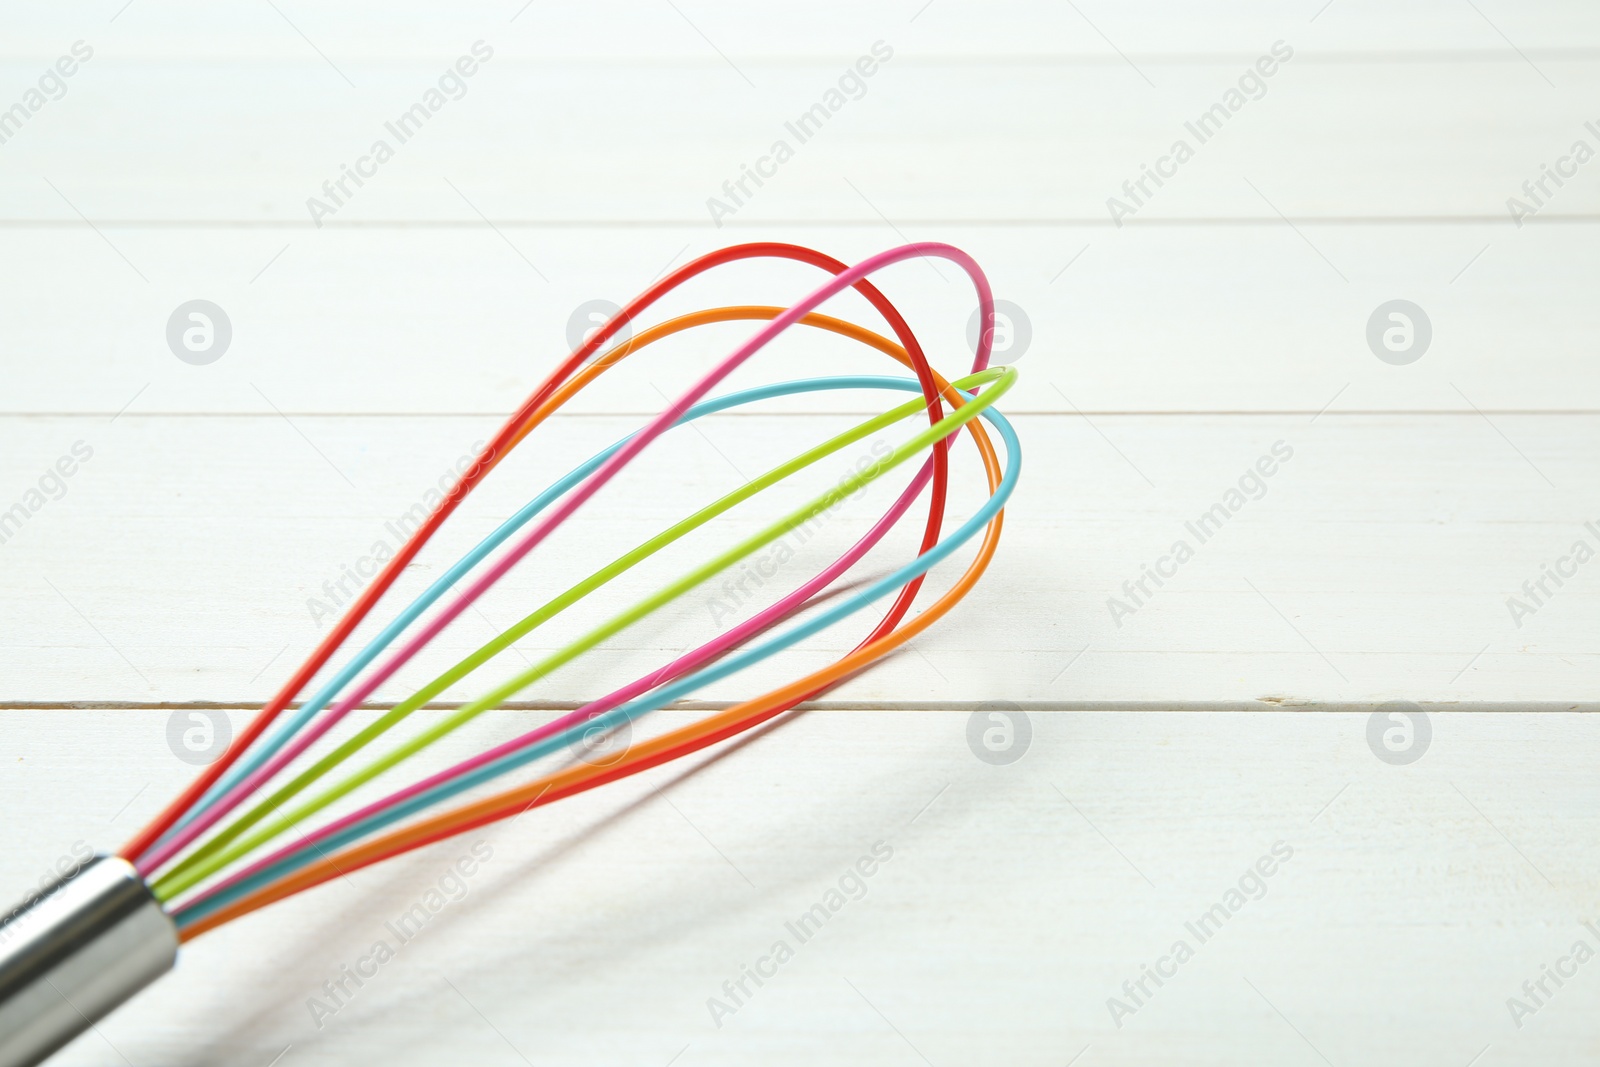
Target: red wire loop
501,444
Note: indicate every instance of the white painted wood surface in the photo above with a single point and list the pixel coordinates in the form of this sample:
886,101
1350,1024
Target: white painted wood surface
1213,318
1017,901
1374,566
1167,355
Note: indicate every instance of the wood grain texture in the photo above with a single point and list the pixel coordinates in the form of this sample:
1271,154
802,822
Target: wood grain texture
1213,318
1170,28
1046,141
1016,901
1376,563
210,509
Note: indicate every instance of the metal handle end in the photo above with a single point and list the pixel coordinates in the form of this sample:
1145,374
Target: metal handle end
69,956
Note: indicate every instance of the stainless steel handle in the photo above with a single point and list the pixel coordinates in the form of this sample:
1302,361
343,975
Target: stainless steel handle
69,956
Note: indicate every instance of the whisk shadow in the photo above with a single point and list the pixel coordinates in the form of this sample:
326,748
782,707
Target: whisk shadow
243,1041
245,1038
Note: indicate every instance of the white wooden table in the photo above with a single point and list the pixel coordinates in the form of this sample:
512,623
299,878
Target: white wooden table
1221,723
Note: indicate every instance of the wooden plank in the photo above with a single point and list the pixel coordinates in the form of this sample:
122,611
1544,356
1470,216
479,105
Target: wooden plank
1377,562
1015,902
928,139
1150,31
1208,318
696,33
183,558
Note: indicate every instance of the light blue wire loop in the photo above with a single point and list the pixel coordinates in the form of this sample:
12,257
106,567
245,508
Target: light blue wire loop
655,699
269,744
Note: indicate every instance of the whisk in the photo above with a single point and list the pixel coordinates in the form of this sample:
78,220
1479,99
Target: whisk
103,932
